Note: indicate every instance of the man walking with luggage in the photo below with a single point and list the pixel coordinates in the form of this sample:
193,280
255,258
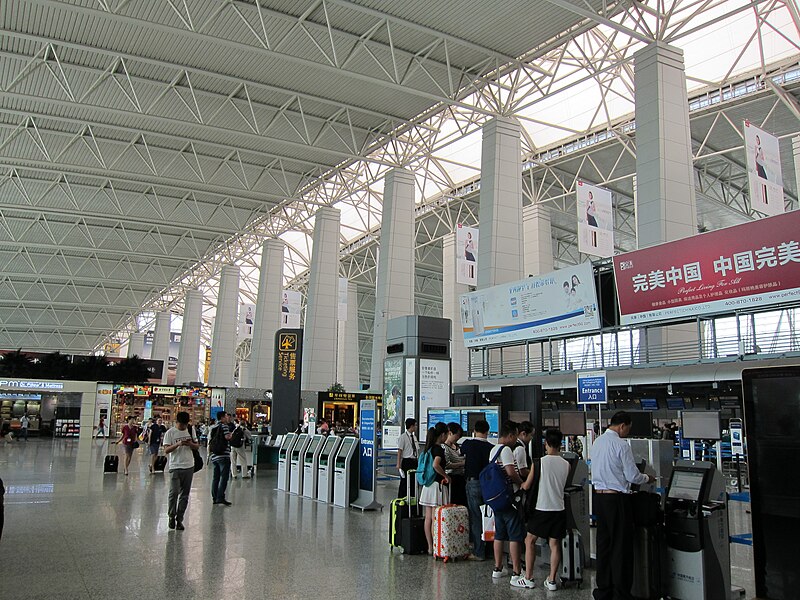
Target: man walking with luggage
218,438
407,455
476,457
614,470
178,445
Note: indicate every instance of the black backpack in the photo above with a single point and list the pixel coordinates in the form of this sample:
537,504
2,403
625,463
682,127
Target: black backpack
237,439
218,444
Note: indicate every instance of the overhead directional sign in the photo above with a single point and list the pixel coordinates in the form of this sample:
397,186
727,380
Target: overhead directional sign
592,387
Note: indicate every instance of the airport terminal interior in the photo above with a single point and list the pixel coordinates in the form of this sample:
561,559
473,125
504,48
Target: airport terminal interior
324,218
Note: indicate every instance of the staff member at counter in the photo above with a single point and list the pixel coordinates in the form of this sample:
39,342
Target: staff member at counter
407,455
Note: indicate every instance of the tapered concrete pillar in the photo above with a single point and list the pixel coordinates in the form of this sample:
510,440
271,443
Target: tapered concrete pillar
268,316
501,241
244,373
665,192
319,333
136,344
160,349
347,356
666,208
451,309
394,293
223,345
189,353
538,239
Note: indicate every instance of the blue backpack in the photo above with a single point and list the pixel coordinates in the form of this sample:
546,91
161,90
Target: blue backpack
425,473
496,488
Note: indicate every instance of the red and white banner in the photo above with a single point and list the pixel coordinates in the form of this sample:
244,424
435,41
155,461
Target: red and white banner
749,265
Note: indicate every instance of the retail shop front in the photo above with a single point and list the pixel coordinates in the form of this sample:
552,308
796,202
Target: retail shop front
53,407
253,405
340,409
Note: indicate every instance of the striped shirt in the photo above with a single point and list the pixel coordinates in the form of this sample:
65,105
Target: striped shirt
227,428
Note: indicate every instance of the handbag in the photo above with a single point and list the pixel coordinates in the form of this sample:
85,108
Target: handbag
135,445
198,460
487,523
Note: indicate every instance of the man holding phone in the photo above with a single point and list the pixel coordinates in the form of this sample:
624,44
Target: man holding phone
178,445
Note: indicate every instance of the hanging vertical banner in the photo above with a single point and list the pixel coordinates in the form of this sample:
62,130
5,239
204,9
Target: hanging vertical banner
763,170
290,309
246,317
466,255
343,282
207,364
286,380
595,220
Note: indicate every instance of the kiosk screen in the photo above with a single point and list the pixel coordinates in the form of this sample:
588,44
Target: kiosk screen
701,425
572,423
342,456
312,449
641,424
490,415
686,485
330,442
443,416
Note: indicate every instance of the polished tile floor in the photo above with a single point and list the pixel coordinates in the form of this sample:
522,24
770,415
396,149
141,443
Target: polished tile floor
73,533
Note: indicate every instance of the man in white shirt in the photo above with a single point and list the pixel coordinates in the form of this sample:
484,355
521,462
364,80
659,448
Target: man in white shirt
614,470
178,444
407,455
548,519
522,449
24,423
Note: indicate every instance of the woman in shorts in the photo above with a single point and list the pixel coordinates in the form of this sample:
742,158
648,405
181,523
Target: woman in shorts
549,518
435,494
129,440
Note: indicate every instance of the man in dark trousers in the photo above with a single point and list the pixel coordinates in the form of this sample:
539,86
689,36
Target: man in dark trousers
614,470
476,456
407,455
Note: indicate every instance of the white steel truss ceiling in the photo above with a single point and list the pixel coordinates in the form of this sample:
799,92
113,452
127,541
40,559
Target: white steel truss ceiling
145,143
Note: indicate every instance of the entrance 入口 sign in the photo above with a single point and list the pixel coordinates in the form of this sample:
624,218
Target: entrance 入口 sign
592,387
367,416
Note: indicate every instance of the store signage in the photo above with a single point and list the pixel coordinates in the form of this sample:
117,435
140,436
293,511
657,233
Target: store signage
19,396
751,265
286,380
367,453
24,384
161,390
592,387
563,302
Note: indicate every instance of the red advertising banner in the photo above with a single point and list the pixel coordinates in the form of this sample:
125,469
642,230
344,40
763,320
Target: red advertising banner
745,266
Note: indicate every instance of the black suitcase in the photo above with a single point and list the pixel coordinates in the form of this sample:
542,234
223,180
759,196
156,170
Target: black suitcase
412,535
406,524
160,464
572,557
649,563
111,463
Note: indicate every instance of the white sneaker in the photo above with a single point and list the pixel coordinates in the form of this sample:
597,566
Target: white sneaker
551,586
499,574
520,582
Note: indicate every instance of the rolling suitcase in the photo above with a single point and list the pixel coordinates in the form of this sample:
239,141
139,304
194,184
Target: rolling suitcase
451,532
160,464
111,463
406,524
649,563
572,558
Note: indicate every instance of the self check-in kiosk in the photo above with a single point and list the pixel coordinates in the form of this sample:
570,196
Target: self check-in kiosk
296,465
284,455
325,470
345,479
696,516
576,500
310,464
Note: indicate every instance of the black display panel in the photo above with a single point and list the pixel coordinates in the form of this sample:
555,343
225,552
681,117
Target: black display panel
572,423
641,424
772,428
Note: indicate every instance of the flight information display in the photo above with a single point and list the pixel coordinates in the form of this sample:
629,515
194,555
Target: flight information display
467,416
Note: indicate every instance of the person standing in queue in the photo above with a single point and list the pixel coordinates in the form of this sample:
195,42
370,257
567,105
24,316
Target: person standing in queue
614,470
476,456
179,441
219,437
436,493
407,455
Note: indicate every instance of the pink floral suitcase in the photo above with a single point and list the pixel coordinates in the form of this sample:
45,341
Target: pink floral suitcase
450,532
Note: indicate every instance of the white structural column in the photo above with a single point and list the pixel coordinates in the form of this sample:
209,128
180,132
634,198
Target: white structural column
394,292
244,373
160,349
451,309
664,176
136,344
347,367
223,345
665,193
500,243
189,353
268,316
319,333
538,258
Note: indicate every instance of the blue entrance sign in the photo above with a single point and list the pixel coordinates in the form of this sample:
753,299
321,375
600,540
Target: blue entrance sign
592,387
366,461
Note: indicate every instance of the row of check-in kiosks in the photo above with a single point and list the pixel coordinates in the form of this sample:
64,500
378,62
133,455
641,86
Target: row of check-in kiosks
319,467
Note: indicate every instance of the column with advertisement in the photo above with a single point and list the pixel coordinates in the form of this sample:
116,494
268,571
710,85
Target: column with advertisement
102,412
434,388
286,381
393,410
